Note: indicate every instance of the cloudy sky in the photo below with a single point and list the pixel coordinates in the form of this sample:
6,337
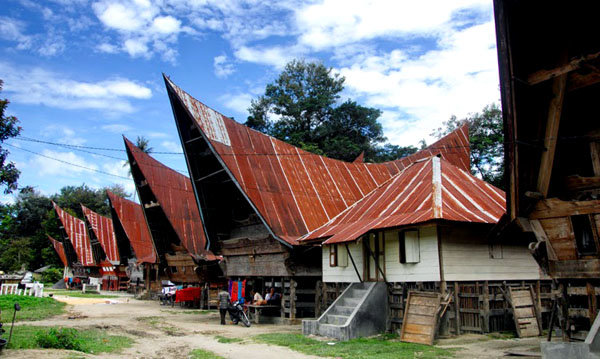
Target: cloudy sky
85,72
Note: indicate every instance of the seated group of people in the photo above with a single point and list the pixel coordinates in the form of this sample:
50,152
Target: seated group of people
271,298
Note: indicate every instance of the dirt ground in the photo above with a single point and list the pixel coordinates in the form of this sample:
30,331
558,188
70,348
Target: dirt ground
165,332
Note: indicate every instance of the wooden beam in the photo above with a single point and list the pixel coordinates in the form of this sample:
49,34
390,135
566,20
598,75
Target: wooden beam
550,139
544,75
554,207
578,183
595,153
577,80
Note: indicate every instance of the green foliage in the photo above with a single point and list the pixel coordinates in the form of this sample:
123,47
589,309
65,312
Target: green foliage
9,128
203,354
362,348
487,142
70,198
389,152
61,338
87,340
32,308
303,100
52,275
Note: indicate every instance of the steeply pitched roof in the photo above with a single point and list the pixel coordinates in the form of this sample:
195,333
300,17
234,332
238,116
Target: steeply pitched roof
60,250
428,189
294,191
175,195
132,220
77,232
103,229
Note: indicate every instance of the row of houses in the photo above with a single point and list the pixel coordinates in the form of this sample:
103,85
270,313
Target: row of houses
263,213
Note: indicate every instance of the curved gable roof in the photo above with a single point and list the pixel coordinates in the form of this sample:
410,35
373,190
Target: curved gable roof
77,232
103,229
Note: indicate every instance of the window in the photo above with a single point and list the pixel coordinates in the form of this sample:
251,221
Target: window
496,251
333,255
584,235
338,256
410,251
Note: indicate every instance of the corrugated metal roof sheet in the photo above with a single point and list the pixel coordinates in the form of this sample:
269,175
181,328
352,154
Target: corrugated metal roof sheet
296,191
60,250
175,195
426,190
132,220
103,229
77,232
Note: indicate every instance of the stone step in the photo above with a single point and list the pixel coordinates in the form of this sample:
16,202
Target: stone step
337,319
342,310
329,330
357,293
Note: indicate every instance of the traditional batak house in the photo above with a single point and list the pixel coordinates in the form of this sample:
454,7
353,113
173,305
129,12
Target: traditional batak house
172,217
549,56
112,266
60,251
77,240
132,236
265,204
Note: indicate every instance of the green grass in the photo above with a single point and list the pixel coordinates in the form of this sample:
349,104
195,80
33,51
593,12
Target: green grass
91,340
32,308
203,354
386,346
222,339
79,294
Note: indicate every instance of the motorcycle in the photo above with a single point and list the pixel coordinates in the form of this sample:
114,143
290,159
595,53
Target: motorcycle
237,314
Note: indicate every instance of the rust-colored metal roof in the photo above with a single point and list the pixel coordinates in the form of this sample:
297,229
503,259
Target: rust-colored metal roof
294,191
428,189
176,197
131,217
103,229
77,232
60,250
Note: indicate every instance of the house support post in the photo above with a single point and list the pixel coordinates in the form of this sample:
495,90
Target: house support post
486,307
456,308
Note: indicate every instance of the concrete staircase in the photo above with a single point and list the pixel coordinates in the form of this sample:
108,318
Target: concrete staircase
360,311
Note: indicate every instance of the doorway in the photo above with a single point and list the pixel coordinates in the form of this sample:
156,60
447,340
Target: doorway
374,254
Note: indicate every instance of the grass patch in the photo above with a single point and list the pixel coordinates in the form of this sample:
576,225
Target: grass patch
502,335
222,339
32,308
203,354
386,346
87,340
79,294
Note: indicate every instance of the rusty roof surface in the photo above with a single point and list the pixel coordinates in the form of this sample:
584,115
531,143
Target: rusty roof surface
103,229
426,190
77,232
176,197
131,217
295,191
60,250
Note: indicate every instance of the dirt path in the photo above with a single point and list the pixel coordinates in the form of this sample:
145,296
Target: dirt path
165,332
159,332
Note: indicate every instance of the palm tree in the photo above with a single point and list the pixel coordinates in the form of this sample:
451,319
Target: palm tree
144,145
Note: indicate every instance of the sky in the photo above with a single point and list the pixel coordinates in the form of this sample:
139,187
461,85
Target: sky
86,72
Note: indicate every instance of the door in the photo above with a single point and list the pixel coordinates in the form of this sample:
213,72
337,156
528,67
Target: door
374,254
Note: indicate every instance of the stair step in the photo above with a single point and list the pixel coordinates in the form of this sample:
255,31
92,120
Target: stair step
337,319
342,310
357,293
350,302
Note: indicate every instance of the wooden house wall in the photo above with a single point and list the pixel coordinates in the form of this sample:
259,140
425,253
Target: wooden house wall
345,274
467,256
428,268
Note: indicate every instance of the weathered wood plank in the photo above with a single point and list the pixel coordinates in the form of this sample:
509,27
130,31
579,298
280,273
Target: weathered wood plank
545,75
554,207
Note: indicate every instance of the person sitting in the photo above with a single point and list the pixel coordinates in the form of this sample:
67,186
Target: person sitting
272,298
257,299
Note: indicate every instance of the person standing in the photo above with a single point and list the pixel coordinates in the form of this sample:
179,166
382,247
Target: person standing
224,299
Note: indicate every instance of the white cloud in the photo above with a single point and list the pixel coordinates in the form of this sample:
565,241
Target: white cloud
222,66
12,30
275,56
171,146
118,168
107,48
116,128
239,102
337,22
136,47
459,78
42,87
166,25
48,167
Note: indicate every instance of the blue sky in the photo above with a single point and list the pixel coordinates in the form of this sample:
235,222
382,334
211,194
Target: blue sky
83,72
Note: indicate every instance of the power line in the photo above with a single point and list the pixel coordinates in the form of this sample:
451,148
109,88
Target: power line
67,162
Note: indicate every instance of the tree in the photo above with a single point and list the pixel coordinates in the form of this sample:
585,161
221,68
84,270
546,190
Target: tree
486,137
144,145
303,99
70,198
389,152
9,174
